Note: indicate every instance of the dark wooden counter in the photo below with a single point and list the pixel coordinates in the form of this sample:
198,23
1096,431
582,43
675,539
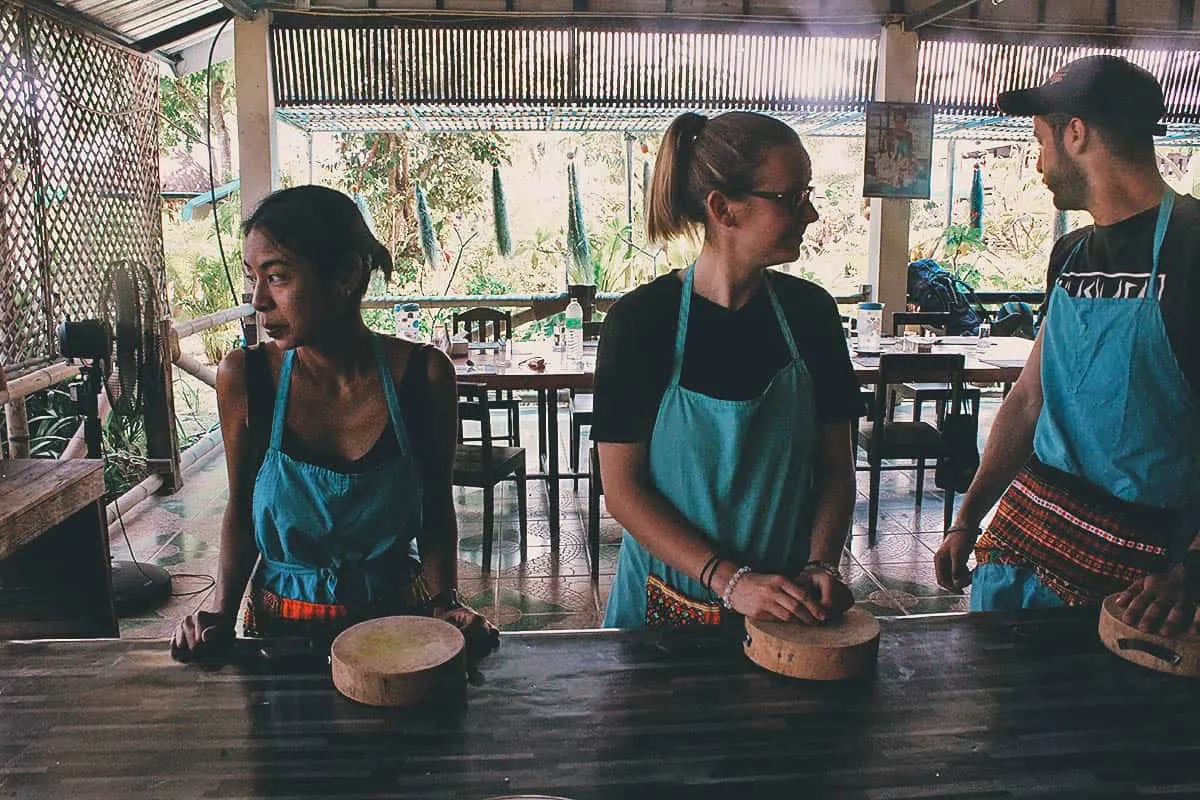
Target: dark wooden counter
984,707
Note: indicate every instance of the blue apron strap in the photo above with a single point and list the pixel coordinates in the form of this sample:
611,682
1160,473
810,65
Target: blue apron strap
783,323
1160,233
281,398
389,388
685,307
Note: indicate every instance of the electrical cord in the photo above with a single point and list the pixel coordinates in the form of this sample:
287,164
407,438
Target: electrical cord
212,177
210,581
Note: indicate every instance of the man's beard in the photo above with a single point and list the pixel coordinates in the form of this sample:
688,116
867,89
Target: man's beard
1067,183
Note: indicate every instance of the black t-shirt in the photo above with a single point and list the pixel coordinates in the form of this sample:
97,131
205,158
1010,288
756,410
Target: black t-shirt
1116,260
731,355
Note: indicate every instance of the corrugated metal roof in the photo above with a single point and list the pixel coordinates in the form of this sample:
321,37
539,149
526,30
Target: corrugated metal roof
383,74
137,21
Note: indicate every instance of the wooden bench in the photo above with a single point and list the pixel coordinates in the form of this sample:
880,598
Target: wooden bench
55,575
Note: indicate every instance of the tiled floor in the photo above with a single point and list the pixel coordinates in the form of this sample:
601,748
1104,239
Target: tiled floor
548,590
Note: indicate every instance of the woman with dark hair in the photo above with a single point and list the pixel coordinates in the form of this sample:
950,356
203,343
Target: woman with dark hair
724,394
339,446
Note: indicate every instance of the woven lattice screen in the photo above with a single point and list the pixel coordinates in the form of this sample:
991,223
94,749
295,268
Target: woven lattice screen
79,185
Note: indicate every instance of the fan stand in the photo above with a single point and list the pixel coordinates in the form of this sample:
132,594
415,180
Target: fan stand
136,586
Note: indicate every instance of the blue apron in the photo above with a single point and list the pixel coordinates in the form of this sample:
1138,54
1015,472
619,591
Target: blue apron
739,470
332,537
1117,409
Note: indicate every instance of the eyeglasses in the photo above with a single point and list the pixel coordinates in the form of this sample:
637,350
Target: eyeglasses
793,200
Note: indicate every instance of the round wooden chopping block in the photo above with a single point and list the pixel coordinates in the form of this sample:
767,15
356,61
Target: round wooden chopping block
1179,655
840,650
399,661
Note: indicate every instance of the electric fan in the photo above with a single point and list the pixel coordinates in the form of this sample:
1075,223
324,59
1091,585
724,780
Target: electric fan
120,344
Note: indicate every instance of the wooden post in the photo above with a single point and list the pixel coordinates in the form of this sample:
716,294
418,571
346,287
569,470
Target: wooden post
887,249
255,124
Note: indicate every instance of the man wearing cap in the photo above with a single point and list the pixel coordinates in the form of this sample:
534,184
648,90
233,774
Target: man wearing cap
1095,454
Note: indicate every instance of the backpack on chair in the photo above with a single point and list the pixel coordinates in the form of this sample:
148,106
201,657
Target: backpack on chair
1015,318
932,288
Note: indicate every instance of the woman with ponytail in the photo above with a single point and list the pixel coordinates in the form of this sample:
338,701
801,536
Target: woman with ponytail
724,394
339,446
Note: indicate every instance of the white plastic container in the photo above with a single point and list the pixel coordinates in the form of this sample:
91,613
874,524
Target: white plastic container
870,324
408,321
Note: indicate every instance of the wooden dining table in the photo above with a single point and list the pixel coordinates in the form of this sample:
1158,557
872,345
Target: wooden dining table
1000,361
556,373
1000,705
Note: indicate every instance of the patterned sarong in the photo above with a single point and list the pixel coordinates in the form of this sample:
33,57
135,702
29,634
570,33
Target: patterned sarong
666,606
1081,541
269,614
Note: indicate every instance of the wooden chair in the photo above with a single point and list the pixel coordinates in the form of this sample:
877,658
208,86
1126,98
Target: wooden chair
866,394
595,490
485,464
579,407
492,325
919,393
885,439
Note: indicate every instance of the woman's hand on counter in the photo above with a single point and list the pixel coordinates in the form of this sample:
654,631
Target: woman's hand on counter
482,636
764,596
203,634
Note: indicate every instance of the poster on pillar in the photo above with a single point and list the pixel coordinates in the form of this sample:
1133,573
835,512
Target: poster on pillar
899,150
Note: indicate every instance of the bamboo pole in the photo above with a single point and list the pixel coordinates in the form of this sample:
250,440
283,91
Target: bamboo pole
17,422
192,366
38,380
121,506
152,484
188,327
77,447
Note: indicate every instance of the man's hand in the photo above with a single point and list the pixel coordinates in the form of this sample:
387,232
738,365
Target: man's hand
1160,603
833,596
950,560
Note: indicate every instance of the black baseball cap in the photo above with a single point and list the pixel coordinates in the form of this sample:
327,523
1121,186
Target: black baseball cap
1099,88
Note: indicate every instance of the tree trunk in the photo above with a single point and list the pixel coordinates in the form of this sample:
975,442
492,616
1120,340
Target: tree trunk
222,155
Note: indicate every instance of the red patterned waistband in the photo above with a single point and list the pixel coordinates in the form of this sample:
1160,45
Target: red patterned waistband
1080,541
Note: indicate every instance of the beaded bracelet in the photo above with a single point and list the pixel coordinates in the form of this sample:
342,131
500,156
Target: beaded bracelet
727,595
827,567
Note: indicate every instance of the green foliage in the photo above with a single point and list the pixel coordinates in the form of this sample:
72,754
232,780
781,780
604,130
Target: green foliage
618,263
124,454
205,289
185,107
484,283
960,241
52,421
386,168
193,419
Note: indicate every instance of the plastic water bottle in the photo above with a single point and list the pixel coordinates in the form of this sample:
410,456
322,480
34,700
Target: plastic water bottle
574,330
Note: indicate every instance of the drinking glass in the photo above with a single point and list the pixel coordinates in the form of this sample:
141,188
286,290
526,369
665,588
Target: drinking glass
441,338
984,336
